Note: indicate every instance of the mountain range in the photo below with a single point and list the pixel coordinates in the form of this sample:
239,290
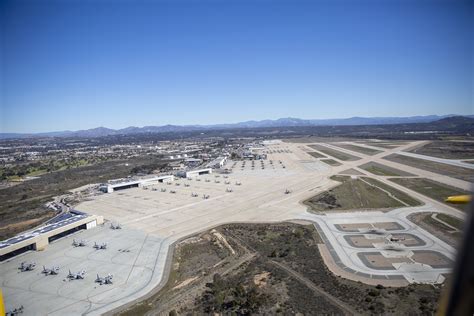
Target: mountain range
282,122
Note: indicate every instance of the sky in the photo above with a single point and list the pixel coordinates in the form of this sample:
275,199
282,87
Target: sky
70,65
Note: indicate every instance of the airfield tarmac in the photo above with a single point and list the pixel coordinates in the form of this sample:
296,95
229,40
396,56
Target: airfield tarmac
153,220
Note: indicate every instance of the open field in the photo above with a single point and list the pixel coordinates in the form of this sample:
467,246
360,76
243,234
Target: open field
436,167
278,269
384,144
359,193
383,170
437,228
394,193
359,149
447,149
331,162
432,189
334,153
316,154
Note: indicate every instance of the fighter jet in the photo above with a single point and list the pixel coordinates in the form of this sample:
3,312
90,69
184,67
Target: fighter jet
115,226
172,191
101,246
205,196
227,182
80,243
25,266
76,276
15,311
194,194
52,271
287,191
105,280
163,189
229,190
238,183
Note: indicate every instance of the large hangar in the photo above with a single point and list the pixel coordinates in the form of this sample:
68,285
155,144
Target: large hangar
194,173
114,186
40,237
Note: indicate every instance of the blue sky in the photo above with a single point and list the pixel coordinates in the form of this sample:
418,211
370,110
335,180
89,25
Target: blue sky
82,64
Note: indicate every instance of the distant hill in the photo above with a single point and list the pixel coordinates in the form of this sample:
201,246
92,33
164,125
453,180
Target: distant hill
444,120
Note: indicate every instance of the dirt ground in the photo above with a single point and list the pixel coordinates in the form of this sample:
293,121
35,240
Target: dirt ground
276,269
356,194
443,232
334,153
447,149
331,162
435,190
383,170
359,149
436,167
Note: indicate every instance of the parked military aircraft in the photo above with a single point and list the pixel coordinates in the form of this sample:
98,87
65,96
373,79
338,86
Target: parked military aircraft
15,311
115,226
80,243
104,280
25,266
229,190
163,189
205,196
287,191
76,276
52,271
172,191
238,183
194,194
101,246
